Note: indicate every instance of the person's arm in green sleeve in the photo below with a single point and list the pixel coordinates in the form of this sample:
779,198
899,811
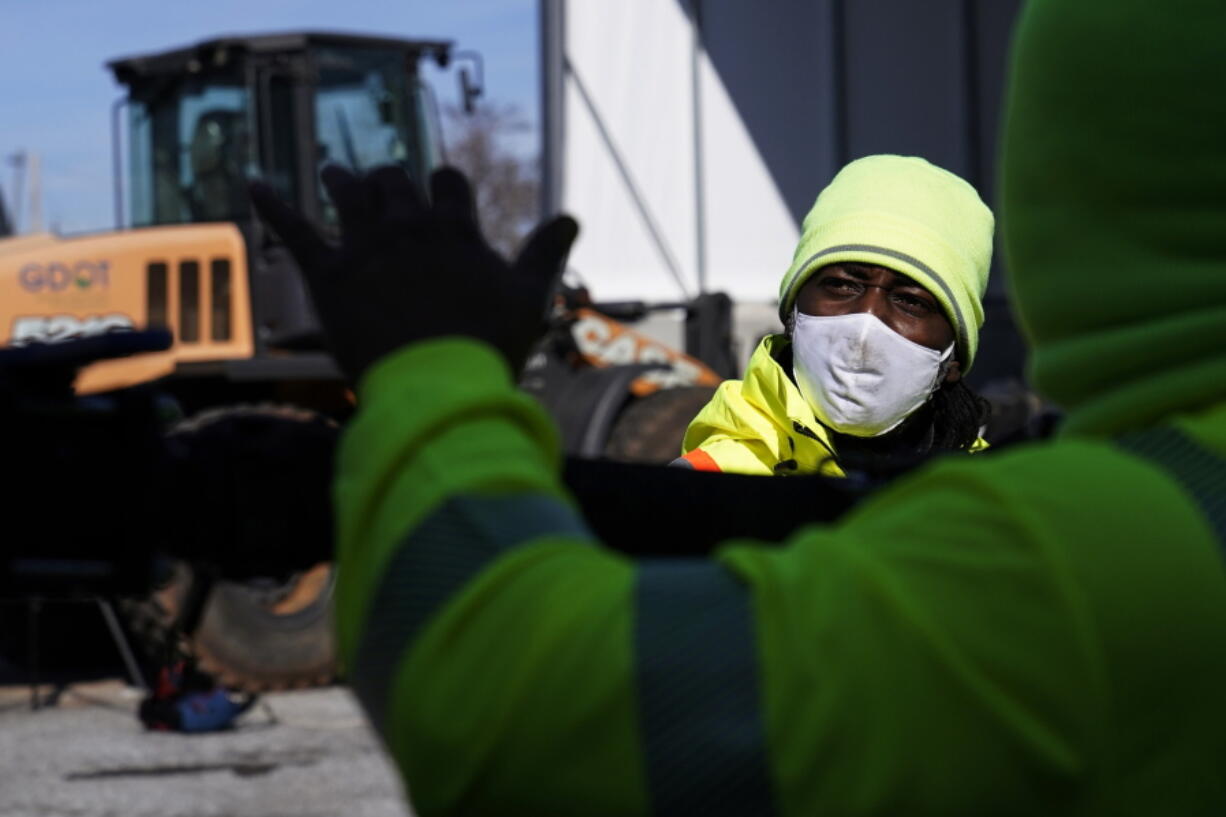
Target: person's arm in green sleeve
513,665
463,572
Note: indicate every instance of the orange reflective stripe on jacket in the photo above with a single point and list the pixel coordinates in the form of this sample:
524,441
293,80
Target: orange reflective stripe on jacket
702,461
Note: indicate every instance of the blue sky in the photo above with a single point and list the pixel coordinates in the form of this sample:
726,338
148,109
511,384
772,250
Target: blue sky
56,96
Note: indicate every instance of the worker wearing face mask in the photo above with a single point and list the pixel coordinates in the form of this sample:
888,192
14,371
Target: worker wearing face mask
882,309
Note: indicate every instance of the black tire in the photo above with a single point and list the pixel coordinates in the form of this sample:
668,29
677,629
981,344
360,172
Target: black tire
650,429
272,635
258,633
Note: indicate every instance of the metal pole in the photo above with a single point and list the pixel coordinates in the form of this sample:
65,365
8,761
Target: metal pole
700,213
34,608
125,651
18,161
36,194
117,159
553,68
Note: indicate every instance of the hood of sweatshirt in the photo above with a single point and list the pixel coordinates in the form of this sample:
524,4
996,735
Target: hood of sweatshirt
1114,206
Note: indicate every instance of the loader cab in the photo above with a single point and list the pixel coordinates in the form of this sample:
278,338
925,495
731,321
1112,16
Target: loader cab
205,120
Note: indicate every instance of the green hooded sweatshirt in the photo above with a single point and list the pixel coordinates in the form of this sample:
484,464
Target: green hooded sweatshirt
1040,631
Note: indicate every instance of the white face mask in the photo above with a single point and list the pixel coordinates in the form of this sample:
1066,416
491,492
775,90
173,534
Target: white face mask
860,376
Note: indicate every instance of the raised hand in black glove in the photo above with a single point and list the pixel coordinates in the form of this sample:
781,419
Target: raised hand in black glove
408,270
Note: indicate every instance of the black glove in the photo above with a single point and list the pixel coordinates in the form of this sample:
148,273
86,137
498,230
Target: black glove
407,270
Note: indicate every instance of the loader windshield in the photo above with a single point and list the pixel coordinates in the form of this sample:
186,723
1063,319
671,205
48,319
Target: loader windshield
190,152
371,110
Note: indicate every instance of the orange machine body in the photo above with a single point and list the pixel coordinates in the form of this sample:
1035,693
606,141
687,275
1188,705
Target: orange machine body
605,342
191,280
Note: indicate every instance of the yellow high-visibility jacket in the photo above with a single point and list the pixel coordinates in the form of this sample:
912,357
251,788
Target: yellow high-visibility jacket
762,425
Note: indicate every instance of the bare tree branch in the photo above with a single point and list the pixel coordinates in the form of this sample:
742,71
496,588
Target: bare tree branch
507,186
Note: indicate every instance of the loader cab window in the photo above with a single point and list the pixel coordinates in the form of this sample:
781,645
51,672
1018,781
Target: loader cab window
368,112
190,152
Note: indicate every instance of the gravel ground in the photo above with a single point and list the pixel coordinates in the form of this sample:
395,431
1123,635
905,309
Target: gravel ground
302,754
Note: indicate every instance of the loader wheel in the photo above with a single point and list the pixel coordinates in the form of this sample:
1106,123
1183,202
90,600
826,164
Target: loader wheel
651,428
261,633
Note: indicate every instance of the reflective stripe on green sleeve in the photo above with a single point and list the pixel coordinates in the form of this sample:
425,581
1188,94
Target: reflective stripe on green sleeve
438,558
1201,472
699,695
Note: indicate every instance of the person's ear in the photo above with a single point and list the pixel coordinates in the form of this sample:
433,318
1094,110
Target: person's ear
954,373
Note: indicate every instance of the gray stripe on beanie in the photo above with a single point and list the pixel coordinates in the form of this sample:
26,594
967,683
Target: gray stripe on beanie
959,318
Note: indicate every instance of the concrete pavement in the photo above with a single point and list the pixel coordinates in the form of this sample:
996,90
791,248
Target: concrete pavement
305,754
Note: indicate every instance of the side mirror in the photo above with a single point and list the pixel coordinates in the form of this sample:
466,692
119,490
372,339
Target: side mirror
470,90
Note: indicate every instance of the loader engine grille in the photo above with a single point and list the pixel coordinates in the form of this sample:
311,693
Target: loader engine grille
189,301
155,295
219,272
187,323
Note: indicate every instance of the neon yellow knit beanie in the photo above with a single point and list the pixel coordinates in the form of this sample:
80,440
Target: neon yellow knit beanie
910,216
